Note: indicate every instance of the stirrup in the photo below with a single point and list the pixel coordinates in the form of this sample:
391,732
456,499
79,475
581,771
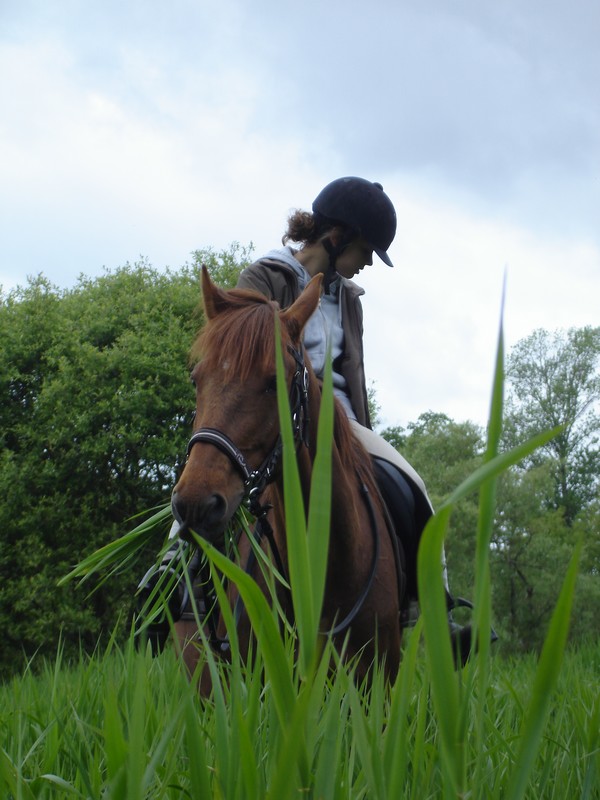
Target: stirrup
461,635
157,631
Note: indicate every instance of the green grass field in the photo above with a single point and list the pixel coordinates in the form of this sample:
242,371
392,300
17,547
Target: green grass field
122,724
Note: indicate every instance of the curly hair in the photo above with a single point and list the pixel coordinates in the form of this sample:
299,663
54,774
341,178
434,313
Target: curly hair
304,227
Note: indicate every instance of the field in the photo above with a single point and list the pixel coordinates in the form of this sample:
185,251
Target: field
121,724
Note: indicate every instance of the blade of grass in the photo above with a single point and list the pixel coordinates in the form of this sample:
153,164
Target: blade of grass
11,778
319,515
396,743
295,515
286,771
544,684
444,686
307,545
482,622
118,555
198,770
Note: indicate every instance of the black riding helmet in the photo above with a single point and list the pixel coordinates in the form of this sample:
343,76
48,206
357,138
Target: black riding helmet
362,206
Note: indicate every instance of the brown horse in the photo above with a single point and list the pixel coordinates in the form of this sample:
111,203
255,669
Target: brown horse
233,455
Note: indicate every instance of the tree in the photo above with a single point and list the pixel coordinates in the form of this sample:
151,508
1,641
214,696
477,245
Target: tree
530,542
95,413
554,381
226,265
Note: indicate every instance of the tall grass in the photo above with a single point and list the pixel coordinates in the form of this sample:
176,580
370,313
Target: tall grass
121,724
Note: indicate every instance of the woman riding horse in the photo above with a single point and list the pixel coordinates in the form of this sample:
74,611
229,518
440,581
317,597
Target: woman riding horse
351,219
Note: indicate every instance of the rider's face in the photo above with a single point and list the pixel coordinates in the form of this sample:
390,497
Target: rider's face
354,257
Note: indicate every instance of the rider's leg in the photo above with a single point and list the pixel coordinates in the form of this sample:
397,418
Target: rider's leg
406,492
406,497
180,604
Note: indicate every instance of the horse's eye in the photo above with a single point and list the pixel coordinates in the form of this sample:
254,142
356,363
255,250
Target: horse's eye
271,385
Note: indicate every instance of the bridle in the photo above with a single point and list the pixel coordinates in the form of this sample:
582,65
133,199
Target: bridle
256,480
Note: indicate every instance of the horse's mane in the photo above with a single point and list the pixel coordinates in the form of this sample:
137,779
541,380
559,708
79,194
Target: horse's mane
240,336
353,455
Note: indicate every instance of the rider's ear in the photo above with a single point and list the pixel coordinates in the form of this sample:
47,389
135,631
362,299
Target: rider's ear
297,315
215,299
335,235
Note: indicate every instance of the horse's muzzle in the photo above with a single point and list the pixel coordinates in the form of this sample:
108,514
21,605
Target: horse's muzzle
207,516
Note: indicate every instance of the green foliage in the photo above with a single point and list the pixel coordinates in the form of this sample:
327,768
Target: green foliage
120,724
555,380
550,500
95,414
373,405
224,266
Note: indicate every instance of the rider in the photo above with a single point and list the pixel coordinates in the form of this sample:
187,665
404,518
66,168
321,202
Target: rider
351,219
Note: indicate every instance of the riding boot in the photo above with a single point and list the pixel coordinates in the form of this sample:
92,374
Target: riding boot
157,631
461,637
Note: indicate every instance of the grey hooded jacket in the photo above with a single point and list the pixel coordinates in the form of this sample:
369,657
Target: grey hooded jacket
276,277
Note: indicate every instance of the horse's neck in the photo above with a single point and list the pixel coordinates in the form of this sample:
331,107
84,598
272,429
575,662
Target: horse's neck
345,493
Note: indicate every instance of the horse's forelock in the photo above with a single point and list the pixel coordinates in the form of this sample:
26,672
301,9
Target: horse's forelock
241,338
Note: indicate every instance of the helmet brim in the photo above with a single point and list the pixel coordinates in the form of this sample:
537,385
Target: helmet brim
383,256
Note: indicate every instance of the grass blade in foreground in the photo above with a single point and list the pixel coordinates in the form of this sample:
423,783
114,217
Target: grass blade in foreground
119,555
544,684
452,714
299,565
307,547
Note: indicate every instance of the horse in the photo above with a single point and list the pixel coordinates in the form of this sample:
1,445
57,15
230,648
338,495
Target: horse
233,456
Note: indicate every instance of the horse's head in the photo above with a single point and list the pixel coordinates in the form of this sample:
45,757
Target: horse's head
236,423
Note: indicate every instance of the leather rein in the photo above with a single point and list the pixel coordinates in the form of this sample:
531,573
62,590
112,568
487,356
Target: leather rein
255,482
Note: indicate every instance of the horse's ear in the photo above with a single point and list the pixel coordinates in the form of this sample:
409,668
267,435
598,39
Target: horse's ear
215,299
297,315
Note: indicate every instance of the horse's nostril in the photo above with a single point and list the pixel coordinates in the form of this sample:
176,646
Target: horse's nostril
205,514
214,509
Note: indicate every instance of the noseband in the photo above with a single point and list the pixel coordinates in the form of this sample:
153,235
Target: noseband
256,480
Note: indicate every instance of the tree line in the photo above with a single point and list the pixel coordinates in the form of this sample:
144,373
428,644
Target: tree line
96,408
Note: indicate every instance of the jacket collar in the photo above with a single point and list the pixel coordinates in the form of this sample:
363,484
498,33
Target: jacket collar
353,289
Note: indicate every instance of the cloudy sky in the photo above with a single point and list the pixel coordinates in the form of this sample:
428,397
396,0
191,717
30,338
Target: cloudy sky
136,128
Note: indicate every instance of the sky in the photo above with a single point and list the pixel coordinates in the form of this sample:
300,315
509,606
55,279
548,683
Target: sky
134,128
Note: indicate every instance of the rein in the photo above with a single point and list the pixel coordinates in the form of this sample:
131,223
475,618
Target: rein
349,618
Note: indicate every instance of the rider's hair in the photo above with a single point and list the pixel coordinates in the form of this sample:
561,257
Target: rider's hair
304,227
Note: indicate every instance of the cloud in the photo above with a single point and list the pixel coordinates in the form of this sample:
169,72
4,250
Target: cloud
110,180
497,100
144,128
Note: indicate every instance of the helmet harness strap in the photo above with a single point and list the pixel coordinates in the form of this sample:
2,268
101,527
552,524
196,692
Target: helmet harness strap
335,251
